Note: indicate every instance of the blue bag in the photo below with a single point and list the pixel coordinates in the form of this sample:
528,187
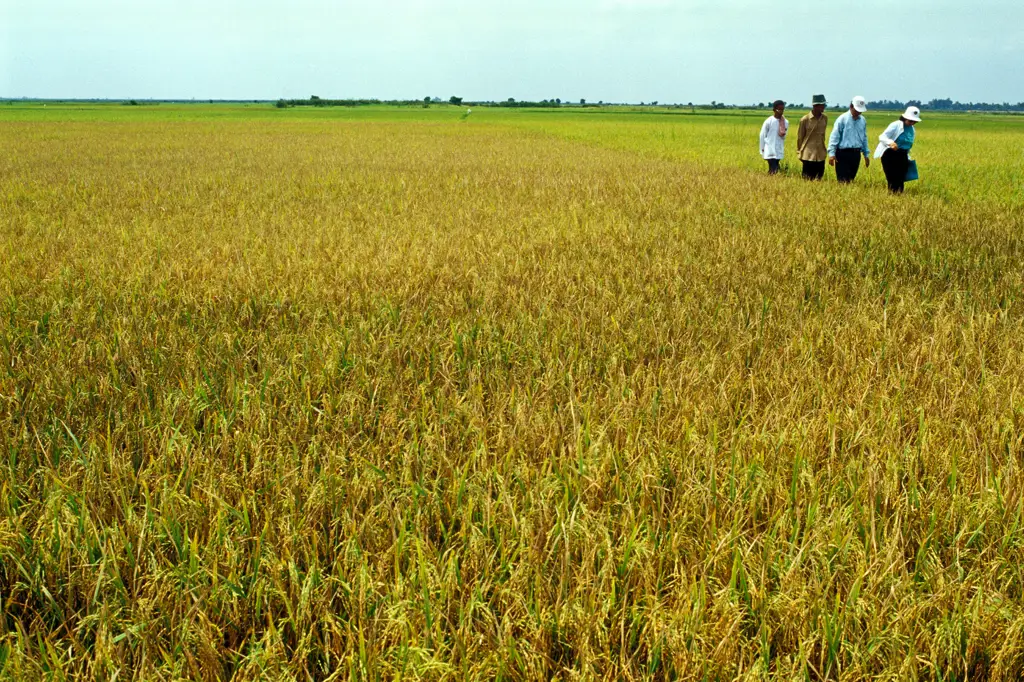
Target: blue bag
911,171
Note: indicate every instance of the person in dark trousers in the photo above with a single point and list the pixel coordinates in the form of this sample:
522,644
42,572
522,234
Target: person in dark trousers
810,139
894,148
773,137
849,141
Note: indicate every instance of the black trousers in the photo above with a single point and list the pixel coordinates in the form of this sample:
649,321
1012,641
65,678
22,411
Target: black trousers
847,164
894,163
773,166
814,170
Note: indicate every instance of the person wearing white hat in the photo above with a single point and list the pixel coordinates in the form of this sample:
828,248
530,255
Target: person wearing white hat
849,141
894,148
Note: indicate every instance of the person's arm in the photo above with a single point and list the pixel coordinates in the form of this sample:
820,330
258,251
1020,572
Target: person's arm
801,136
865,150
764,134
888,137
833,140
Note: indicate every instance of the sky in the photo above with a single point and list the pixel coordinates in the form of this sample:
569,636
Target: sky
733,51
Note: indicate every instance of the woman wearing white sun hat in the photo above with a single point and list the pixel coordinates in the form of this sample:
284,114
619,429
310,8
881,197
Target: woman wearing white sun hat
894,148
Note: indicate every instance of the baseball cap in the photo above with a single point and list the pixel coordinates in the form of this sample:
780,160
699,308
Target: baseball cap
859,103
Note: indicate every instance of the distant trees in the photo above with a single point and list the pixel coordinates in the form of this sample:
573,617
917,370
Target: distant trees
511,102
886,104
316,101
945,104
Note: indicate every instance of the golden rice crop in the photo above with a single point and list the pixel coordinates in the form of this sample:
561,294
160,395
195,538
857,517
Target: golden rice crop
318,395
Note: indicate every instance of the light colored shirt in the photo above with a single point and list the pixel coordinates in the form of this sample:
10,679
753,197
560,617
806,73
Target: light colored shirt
902,135
773,145
849,133
810,138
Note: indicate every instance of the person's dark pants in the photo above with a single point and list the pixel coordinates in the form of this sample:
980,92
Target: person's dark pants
814,170
847,164
894,163
773,166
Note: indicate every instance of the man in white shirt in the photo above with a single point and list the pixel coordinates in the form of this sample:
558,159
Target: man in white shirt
773,137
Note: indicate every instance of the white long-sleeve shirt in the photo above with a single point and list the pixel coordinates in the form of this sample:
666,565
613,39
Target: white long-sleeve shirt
772,146
889,136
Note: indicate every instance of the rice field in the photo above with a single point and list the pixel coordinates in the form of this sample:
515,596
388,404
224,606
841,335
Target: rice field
382,394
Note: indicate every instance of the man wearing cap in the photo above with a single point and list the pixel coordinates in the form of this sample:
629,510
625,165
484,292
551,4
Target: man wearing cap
810,139
773,137
849,141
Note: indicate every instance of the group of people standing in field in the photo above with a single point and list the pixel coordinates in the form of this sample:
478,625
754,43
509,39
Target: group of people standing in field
846,145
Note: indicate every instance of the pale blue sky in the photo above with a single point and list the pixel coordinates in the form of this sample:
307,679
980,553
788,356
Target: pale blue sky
736,51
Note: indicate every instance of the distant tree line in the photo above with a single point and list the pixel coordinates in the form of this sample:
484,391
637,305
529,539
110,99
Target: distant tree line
557,102
945,105
511,102
315,101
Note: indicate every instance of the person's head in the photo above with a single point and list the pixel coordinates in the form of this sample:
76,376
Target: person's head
858,105
911,116
778,106
818,105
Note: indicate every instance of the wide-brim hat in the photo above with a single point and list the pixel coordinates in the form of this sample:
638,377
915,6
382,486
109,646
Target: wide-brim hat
912,114
859,103
818,99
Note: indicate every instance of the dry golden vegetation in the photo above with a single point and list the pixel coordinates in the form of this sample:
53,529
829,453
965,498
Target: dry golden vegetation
322,395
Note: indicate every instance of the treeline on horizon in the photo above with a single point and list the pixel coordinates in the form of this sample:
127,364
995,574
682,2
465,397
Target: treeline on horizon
426,102
946,105
933,105
315,101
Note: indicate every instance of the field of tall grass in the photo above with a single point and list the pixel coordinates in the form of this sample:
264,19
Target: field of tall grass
376,394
